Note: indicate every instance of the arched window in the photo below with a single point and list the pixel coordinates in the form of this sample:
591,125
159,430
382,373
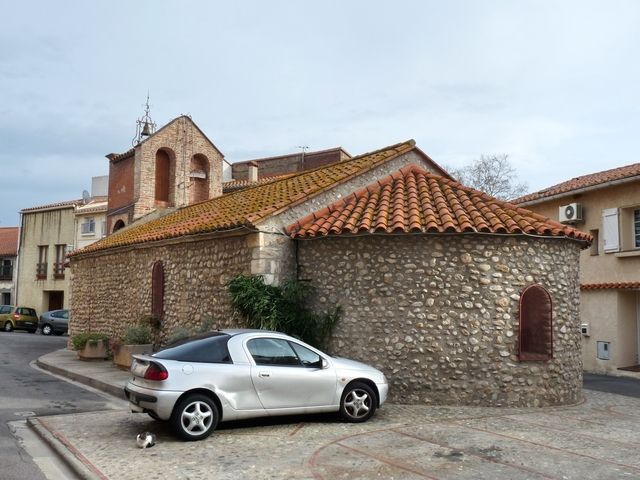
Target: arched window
536,332
163,176
199,176
118,225
157,290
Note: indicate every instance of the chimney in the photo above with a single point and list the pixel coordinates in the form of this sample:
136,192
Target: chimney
253,171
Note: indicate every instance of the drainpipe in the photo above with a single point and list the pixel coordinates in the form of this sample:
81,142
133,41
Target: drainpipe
16,276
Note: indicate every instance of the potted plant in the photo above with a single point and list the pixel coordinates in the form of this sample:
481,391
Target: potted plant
91,346
136,340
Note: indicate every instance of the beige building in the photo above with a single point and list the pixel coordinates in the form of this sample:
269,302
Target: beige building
47,234
607,205
8,255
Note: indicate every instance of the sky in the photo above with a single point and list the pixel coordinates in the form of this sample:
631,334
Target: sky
553,84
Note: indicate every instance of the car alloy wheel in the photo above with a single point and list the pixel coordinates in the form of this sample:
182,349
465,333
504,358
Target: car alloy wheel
194,417
47,330
8,327
358,403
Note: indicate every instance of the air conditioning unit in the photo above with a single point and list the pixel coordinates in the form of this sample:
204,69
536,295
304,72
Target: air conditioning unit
571,213
584,329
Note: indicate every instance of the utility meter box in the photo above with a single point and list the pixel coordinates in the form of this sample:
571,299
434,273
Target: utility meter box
604,350
584,329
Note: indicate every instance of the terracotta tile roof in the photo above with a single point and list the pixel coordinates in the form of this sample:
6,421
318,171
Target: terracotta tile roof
53,206
248,207
592,180
611,285
413,200
9,241
235,185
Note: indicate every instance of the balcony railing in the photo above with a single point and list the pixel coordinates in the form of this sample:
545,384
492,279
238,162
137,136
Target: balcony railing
58,270
6,272
41,271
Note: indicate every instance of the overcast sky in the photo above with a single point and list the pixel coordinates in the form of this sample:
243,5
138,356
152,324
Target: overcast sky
554,84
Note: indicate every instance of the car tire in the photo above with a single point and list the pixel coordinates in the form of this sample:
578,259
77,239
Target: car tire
47,329
194,417
8,327
358,403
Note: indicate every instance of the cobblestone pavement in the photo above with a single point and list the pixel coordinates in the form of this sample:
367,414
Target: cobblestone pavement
598,439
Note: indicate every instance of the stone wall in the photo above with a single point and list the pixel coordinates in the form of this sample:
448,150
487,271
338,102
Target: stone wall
111,291
440,315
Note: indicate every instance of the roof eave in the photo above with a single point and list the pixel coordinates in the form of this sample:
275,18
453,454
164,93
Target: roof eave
577,191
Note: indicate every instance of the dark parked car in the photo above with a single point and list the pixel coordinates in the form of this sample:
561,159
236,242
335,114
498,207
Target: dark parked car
54,321
18,318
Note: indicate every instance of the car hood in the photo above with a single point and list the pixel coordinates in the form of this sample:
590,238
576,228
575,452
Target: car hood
346,364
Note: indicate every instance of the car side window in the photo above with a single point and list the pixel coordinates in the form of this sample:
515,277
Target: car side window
5,309
65,315
272,351
30,311
309,358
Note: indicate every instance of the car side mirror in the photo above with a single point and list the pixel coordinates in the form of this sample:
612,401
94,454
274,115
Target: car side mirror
325,364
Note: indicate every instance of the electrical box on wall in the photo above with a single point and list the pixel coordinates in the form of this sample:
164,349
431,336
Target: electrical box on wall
604,350
584,329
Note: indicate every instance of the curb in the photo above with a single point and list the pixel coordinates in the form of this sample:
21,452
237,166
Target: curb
92,382
75,461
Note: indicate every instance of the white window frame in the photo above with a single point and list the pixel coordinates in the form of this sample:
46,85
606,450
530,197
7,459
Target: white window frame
92,226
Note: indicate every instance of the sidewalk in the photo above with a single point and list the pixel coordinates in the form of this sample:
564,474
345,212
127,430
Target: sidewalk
597,439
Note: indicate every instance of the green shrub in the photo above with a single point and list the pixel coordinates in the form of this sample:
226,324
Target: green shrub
282,308
177,334
137,335
80,340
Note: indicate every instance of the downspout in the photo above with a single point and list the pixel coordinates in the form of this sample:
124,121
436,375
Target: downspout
17,267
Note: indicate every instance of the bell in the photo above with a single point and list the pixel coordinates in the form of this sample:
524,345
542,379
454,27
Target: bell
146,131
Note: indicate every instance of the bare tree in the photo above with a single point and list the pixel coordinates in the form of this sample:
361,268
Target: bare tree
492,174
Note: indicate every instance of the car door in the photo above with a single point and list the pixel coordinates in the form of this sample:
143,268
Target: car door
289,375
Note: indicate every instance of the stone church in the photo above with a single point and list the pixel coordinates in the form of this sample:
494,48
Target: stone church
458,297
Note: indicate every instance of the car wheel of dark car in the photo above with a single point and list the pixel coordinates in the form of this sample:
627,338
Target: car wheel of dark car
358,403
46,329
195,417
8,327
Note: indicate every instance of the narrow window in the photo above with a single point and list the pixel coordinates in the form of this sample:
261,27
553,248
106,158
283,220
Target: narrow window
58,266
595,246
163,170
88,227
157,290
636,228
41,268
536,334
199,184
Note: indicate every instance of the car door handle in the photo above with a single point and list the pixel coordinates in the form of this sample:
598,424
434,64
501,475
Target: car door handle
264,374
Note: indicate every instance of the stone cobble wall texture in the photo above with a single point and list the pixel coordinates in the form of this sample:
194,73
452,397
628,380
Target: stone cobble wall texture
195,276
439,315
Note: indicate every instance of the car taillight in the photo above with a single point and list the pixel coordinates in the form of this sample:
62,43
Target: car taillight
156,372
16,316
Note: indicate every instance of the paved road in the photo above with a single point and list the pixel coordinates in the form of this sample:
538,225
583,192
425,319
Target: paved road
629,387
25,391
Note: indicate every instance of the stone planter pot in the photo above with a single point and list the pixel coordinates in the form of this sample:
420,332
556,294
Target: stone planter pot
122,357
94,350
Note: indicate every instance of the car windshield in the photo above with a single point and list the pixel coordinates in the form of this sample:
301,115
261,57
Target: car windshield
207,348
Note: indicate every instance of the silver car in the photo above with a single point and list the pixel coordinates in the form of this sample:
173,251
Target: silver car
235,374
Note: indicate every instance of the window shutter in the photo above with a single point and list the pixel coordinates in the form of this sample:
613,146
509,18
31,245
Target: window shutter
610,230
